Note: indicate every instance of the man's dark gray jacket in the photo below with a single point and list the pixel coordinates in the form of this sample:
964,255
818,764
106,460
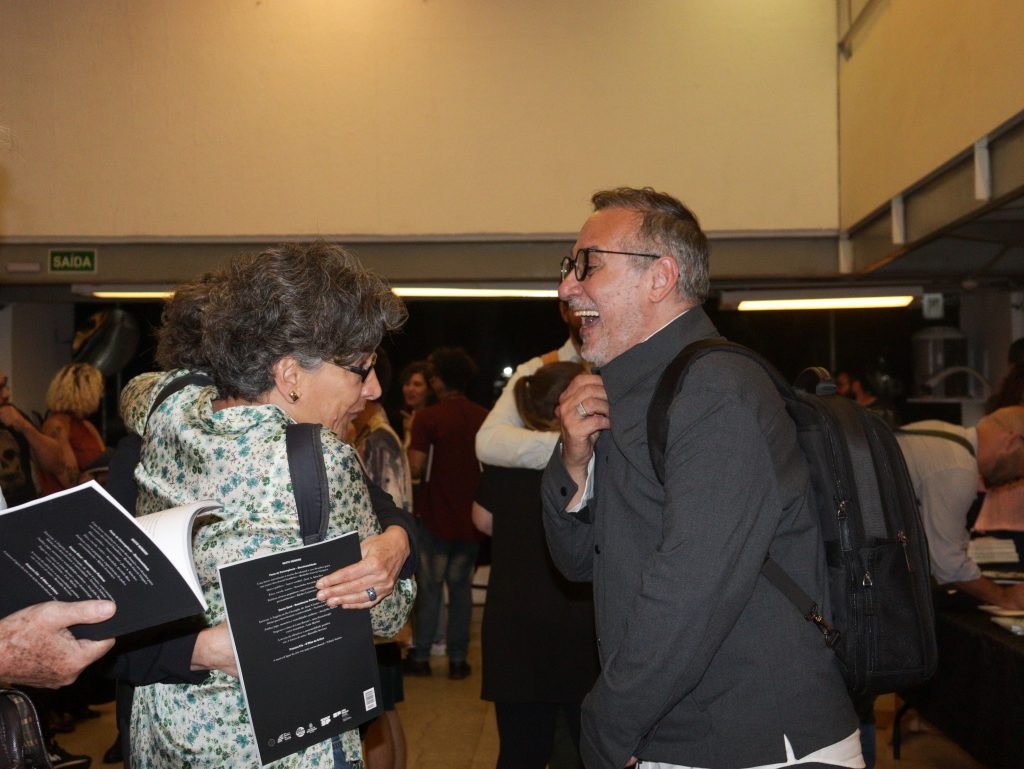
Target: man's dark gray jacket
704,662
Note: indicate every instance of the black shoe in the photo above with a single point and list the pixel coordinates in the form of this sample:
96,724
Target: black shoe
458,669
61,759
114,755
414,667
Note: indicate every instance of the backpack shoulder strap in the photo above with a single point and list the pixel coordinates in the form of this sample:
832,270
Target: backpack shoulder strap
668,387
309,480
196,378
940,434
671,382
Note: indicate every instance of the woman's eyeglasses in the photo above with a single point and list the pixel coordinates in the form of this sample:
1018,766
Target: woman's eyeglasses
361,371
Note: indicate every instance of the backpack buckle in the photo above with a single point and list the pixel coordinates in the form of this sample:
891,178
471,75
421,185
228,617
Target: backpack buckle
830,633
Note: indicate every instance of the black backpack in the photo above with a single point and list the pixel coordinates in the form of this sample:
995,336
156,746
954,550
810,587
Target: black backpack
882,624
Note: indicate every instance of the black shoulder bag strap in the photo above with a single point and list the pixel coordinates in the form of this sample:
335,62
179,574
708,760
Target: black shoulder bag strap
669,384
309,480
196,378
667,389
939,434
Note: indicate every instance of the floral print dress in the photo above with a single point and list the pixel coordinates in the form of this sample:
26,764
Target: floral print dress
236,456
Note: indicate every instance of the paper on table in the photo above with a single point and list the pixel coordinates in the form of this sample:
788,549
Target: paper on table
1014,625
1000,611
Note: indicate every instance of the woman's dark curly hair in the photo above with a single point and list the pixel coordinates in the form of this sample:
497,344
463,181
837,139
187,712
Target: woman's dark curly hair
313,302
179,340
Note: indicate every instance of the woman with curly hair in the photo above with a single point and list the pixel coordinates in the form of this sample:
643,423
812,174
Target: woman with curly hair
288,336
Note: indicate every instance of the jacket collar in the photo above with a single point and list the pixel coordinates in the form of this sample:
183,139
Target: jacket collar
646,360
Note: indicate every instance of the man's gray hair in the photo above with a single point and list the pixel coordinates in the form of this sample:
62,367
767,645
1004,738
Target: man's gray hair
668,227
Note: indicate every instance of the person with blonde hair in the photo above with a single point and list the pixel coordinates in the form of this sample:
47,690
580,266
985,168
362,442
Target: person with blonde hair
74,395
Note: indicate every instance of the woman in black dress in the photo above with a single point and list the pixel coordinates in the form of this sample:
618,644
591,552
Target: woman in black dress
539,649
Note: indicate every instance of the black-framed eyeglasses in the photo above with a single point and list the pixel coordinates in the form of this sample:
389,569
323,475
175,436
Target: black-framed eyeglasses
580,266
361,371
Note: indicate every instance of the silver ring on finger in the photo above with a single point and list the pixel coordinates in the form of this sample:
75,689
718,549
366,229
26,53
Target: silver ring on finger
371,593
582,410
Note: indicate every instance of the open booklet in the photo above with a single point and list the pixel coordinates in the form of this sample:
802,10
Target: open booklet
80,543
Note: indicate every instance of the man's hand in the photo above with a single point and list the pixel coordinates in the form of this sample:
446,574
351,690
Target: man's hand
989,591
583,413
37,649
383,558
213,651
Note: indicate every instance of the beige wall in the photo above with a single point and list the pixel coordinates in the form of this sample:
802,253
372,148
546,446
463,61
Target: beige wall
208,118
927,79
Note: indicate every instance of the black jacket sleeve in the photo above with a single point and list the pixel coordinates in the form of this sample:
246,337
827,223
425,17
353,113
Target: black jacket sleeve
390,514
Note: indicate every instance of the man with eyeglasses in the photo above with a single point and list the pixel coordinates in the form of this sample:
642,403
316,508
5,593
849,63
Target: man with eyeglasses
945,462
704,663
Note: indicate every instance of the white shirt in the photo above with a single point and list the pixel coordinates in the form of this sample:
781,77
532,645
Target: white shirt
945,478
503,440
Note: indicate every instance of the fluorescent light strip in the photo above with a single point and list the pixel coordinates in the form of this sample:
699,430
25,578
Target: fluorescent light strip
444,292
835,303
414,292
133,294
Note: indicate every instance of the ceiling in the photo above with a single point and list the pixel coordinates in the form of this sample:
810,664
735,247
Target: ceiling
963,225
986,250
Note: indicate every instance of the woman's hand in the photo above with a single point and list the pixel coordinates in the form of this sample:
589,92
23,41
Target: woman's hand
213,651
371,580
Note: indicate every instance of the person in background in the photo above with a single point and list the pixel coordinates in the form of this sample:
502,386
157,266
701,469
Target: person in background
288,335
386,465
703,663
862,391
442,458
1011,389
22,445
1002,511
503,440
416,393
74,395
944,471
539,647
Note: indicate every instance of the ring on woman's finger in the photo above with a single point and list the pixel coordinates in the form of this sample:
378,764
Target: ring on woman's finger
582,410
372,593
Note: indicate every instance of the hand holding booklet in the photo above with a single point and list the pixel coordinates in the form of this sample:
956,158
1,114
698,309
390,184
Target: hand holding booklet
80,543
308,671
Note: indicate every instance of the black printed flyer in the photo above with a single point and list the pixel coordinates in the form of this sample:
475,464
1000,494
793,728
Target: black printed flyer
308,671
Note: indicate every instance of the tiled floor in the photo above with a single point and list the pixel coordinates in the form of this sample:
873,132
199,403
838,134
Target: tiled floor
448,726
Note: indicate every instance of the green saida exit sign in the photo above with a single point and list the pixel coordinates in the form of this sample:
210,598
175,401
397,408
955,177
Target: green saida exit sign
72,260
